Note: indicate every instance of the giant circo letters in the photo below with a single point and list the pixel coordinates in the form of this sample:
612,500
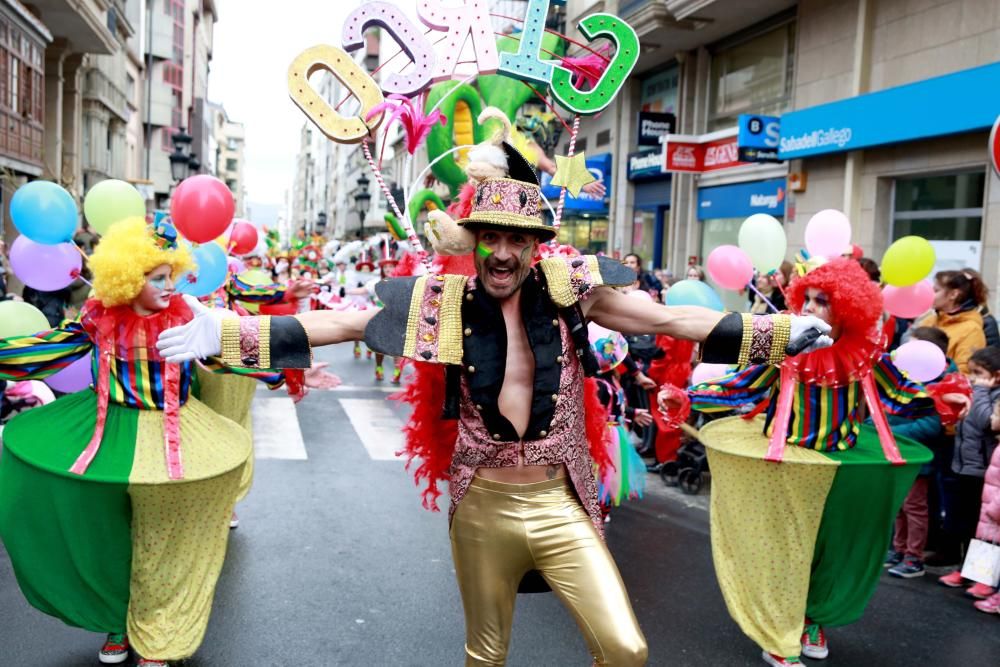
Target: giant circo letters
519,59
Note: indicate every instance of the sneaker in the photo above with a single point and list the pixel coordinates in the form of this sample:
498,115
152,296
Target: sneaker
368,354
908,569
990,605
145,662
893,558
379,374
953,580
814,641
778,661
234,521
115,649
980,591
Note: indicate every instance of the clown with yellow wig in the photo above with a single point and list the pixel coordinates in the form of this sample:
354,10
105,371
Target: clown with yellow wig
115,501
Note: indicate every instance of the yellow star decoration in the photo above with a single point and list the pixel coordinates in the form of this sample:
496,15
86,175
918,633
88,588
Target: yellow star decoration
572,174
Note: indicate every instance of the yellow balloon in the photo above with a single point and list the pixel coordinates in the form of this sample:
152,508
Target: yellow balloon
908,261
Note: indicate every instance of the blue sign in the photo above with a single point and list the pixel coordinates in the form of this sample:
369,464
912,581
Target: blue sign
757,140
600,168
742,199
965,101
645,165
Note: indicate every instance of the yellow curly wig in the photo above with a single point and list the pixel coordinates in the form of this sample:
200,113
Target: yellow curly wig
123,258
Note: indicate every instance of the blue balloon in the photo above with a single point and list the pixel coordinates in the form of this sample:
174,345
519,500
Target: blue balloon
44,212
694,293
211,271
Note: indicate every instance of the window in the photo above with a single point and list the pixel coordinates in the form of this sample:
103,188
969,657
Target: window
604,137
947,210
659,91
754,75
231,164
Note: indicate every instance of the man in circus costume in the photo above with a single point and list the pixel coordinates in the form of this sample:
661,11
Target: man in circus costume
499,404
824,487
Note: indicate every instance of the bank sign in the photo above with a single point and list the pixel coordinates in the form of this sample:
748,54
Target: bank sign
965,101
742,199
757,139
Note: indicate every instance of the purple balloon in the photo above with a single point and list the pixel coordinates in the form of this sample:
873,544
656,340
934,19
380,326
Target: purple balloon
74,377
44,267
921,360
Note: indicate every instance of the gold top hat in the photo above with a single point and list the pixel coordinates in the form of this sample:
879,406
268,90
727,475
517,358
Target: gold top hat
510,203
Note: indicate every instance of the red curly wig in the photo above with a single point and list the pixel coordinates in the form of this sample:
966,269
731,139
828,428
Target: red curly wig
855,300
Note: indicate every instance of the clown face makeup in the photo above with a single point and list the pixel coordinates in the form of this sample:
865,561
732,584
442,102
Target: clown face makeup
817,303
156,293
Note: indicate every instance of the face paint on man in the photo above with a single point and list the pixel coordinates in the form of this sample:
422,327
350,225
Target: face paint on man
503,260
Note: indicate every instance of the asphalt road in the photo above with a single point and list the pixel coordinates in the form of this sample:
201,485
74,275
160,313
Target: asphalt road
336,563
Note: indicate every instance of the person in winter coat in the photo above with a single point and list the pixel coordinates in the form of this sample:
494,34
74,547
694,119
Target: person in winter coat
988,529
990,329
975,441
956,312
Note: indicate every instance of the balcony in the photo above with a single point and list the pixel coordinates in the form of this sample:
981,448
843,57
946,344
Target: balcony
97,86
83,23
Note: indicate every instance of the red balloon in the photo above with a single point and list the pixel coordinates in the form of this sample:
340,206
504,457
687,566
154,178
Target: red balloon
202,208
242,238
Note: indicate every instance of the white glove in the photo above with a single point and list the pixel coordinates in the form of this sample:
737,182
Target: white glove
803,324
199,338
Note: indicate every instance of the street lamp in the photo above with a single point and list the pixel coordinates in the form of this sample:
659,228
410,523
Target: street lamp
362,199
179,159
321,222
194,164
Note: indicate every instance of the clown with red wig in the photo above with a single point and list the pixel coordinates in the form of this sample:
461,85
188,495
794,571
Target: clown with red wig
822,486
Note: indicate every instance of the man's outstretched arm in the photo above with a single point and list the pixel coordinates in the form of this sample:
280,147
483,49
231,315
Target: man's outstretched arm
728,338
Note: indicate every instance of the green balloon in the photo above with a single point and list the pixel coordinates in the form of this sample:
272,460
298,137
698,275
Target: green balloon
255,277
762,237
18,318
110,201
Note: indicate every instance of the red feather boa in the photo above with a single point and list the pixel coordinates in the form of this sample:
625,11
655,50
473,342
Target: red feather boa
430,440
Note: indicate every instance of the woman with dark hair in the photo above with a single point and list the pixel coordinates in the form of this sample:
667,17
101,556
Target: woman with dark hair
989,322
647,281
957,296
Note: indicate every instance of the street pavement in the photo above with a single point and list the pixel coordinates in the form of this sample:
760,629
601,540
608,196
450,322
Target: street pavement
336,563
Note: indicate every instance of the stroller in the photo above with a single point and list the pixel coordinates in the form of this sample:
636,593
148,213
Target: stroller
690,469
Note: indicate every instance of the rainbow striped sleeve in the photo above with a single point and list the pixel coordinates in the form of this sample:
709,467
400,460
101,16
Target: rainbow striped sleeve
900,396
749,385
273,379
42,354
243,291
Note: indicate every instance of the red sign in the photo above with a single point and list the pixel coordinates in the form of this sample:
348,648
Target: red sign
698,154
995,146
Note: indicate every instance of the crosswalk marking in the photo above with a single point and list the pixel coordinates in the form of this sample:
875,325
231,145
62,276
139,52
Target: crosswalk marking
377,426
276,432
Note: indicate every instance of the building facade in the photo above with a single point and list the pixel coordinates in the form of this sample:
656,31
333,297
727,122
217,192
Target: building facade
224,157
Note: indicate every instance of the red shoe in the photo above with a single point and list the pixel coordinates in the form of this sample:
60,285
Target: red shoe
980,591
990,605
814,641
778,661
143,662
234,521
953,580
115,649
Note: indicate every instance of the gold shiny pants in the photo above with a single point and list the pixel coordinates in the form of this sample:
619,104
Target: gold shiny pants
502,531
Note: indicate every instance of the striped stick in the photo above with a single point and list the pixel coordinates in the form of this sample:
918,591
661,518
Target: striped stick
411,234
557,220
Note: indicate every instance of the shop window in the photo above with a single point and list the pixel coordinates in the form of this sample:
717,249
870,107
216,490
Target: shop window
752,73
945,209
604,137
659,91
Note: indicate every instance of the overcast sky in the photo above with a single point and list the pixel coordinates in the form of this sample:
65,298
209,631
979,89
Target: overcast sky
255,41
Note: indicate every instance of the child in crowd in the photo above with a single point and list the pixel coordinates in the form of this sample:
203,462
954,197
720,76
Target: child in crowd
975,441
905,559
988,529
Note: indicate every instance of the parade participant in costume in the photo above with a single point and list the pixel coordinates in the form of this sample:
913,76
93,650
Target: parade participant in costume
504,420
810,553
624,477
115,501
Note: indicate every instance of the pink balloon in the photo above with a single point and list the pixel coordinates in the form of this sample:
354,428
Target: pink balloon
704,372
908,302
828,234
236,266
44,267
74,377
730,267
920,360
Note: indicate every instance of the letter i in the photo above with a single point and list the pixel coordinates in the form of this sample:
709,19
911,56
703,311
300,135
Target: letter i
527,62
